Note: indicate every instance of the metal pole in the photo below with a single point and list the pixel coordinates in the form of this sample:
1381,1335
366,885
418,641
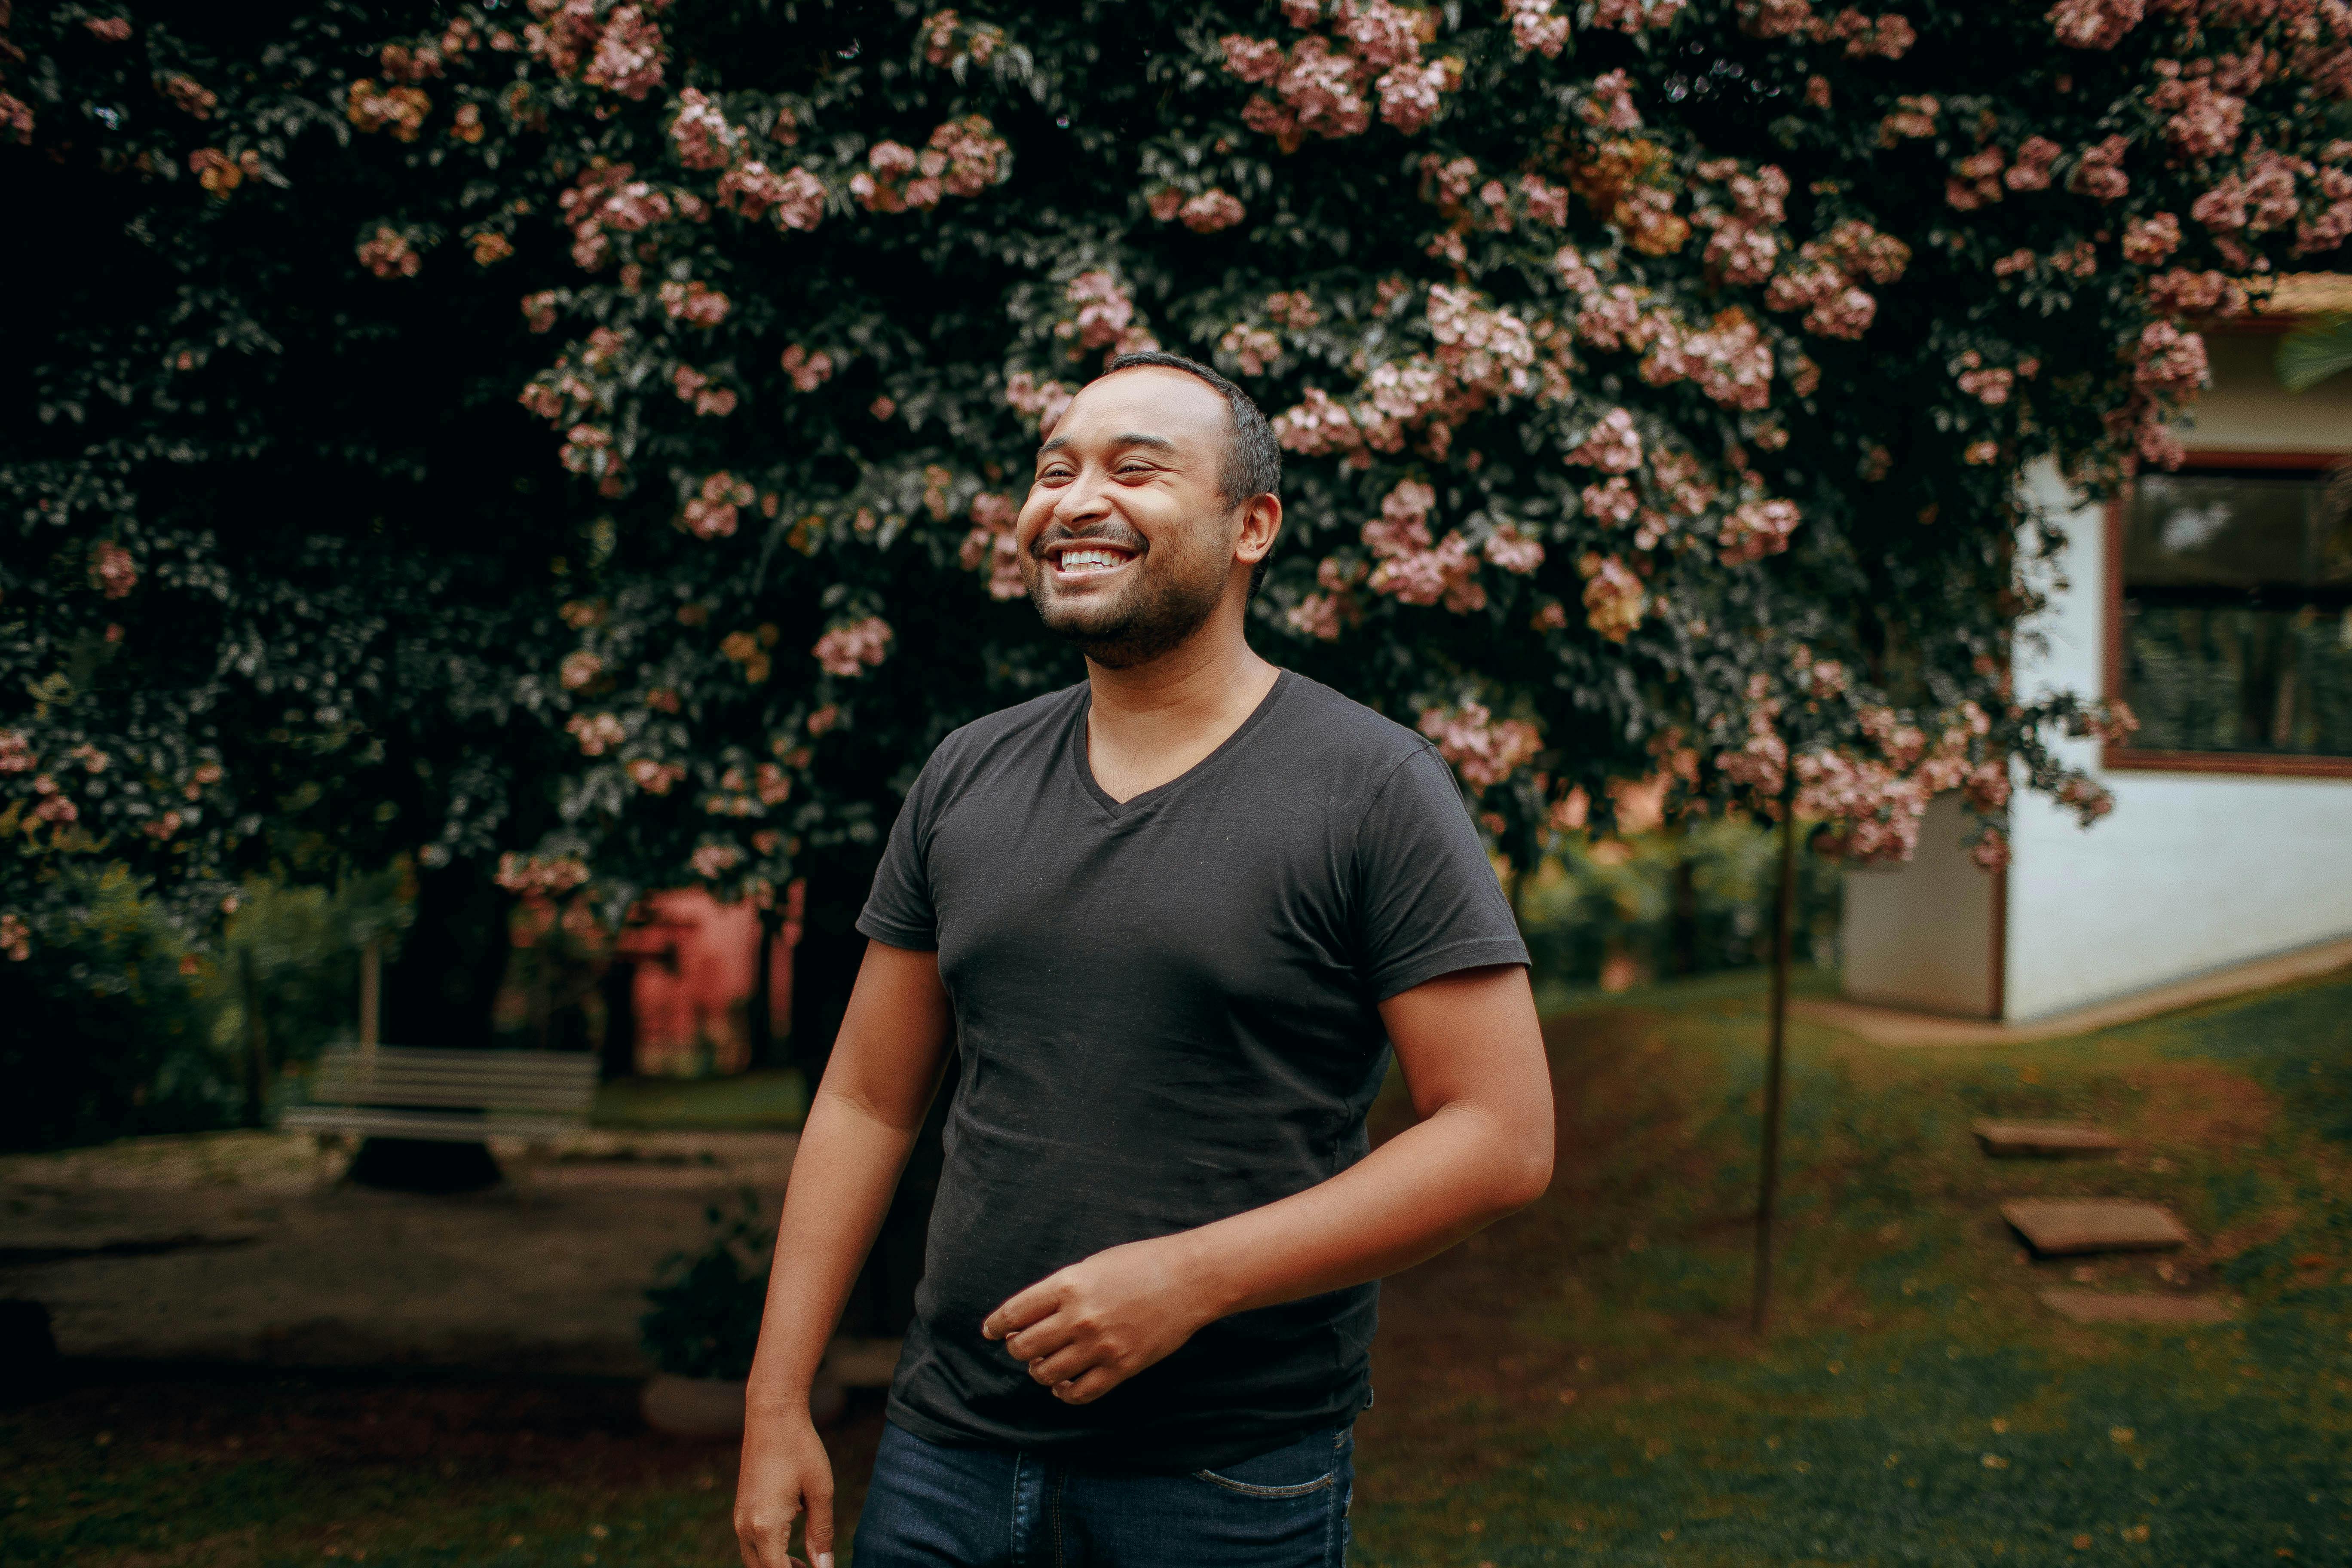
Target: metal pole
1775,1051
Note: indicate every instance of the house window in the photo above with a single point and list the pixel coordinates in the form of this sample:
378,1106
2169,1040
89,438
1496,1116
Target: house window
2235,625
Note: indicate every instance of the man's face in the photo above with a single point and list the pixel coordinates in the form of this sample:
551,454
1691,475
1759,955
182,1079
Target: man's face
1127,542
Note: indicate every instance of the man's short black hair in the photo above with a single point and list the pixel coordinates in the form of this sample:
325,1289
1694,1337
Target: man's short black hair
1253,465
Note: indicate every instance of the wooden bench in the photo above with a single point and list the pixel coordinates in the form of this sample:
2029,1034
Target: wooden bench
447,1096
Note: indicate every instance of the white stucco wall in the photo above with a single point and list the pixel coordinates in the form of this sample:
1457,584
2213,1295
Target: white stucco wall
2192,871
1918,933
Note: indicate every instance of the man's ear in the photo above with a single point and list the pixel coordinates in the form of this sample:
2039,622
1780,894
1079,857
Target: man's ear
1261,524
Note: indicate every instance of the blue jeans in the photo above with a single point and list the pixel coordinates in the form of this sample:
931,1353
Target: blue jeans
932,1505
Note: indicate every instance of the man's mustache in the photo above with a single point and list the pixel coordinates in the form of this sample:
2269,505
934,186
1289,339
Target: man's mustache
1109,532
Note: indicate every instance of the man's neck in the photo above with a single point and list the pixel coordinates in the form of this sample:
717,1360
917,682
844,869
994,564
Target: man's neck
1157,720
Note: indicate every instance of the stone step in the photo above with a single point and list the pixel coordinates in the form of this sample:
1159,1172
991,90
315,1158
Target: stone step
2048,1139
2097,1306
2061,1227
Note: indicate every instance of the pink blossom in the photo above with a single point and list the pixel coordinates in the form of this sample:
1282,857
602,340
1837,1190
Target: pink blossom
580,669
1482,748
15,752
628,55
598,734
15,936
2332,227
1105,307
1991,851
2271,196
1252,59
1447,573
1613,446
2148,241
653,777
1410,94
1614,501
1614,600
388,254
1988,785
1757,529
2205,123
1634,16
1514,551
543,877
1254,348
1991,387
2030,171
753,189
1740,254
113,572
1295,309
808,371
852,648
1610,103
1728,359
1042,402
1316,615
1913,118
710,512
1534,28
2169,361
2100,175
1317,426
700,133
1320,89
1403,527
1211,211
712,861
1546,203
2180,291
966,155
109,30
1382,34
2094,24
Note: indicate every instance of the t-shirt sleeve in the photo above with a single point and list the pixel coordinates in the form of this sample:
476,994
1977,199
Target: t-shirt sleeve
1427,898
899,912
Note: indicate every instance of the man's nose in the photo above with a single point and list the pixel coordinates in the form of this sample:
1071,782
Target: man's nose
1081,501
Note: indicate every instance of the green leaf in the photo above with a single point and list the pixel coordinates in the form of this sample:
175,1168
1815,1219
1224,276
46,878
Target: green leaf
2314,352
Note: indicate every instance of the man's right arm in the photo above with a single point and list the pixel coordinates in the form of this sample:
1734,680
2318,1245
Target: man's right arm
862,1123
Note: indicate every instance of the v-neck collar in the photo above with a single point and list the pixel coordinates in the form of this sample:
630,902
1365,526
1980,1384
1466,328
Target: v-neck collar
1075,742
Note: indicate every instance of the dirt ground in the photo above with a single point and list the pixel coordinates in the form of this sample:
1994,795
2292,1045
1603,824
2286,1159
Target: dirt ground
250,1247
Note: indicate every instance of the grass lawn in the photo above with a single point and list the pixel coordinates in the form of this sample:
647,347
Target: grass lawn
1577,1385
772,1098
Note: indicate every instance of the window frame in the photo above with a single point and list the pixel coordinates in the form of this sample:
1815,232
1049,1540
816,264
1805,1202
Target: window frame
2122,755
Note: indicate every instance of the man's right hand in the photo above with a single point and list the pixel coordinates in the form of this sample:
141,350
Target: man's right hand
786,1475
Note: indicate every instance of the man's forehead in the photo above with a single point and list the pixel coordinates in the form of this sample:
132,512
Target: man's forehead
1146,401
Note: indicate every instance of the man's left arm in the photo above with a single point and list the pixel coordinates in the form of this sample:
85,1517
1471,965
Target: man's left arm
1474,1062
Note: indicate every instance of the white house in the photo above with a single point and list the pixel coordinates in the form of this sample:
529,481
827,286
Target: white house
2217,601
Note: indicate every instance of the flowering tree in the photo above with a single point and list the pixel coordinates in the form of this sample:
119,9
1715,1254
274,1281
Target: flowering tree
1655,377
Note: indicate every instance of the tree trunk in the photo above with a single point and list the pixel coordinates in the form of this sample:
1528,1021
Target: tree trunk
763,990
1681,935
1775,1051
257,1039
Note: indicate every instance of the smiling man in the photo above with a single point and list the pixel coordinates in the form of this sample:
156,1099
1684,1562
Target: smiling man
1166,925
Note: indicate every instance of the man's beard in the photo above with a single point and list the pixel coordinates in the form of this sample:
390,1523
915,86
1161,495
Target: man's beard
1153,613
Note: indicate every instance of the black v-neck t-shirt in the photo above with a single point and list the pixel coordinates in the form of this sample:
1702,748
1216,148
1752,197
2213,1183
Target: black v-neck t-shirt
1166,1013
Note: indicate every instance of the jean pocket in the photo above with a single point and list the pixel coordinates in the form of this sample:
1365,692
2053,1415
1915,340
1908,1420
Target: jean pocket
1321,1483
1275,1473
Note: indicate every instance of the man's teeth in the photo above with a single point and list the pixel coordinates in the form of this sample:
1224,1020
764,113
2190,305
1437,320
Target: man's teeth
1091,560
